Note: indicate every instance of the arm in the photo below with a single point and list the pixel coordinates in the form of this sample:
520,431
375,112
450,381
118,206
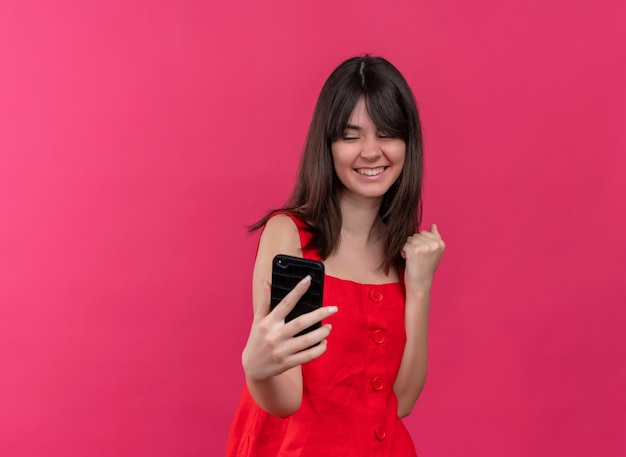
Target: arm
422,252
272,357
412,373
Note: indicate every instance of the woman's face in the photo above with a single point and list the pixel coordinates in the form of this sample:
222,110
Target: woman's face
367,162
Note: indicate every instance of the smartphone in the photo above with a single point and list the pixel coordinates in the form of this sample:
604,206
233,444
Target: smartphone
287,271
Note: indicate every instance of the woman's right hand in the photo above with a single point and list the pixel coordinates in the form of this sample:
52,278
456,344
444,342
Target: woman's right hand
271,348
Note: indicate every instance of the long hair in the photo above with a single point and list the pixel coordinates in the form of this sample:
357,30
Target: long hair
391,106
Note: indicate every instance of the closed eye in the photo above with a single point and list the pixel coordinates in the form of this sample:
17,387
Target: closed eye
351,134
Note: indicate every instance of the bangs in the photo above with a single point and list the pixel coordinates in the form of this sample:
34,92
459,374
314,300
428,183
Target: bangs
383,101
385,107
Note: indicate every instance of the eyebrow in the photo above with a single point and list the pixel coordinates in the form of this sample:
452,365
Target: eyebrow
352,127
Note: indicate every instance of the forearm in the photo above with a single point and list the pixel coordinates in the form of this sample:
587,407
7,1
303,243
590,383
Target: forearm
279,395
412,373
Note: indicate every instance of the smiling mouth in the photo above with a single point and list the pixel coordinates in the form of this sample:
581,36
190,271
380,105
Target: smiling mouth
370,171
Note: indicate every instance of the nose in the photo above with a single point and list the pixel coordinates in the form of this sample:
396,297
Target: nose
371,148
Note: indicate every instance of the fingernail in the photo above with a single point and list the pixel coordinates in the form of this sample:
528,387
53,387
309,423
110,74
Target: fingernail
307,278
332,309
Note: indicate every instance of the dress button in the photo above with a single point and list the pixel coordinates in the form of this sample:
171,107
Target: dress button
376,296
377,383
381,433
378,336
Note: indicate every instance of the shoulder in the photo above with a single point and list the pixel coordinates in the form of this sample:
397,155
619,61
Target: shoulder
282,222
280,236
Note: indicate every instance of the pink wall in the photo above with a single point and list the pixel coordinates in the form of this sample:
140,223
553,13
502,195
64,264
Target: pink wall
137,138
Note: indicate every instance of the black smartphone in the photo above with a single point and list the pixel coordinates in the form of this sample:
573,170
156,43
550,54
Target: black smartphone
287,271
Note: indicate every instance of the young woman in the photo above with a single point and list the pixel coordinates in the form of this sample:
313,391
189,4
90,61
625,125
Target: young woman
356,206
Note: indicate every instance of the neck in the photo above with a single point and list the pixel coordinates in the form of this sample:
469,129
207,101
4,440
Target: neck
360,217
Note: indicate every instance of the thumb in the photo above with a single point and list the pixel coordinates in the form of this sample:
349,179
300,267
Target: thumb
433,228
263,308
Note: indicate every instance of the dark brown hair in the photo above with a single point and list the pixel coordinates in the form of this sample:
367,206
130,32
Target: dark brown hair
391,106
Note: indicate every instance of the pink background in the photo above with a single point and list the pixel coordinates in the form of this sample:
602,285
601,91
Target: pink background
138,138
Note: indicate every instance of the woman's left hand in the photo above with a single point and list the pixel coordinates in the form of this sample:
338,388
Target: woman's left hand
422,252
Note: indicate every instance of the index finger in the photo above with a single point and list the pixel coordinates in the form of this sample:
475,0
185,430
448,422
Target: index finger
289,301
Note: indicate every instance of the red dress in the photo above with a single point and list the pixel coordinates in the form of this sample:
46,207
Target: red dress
348,404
